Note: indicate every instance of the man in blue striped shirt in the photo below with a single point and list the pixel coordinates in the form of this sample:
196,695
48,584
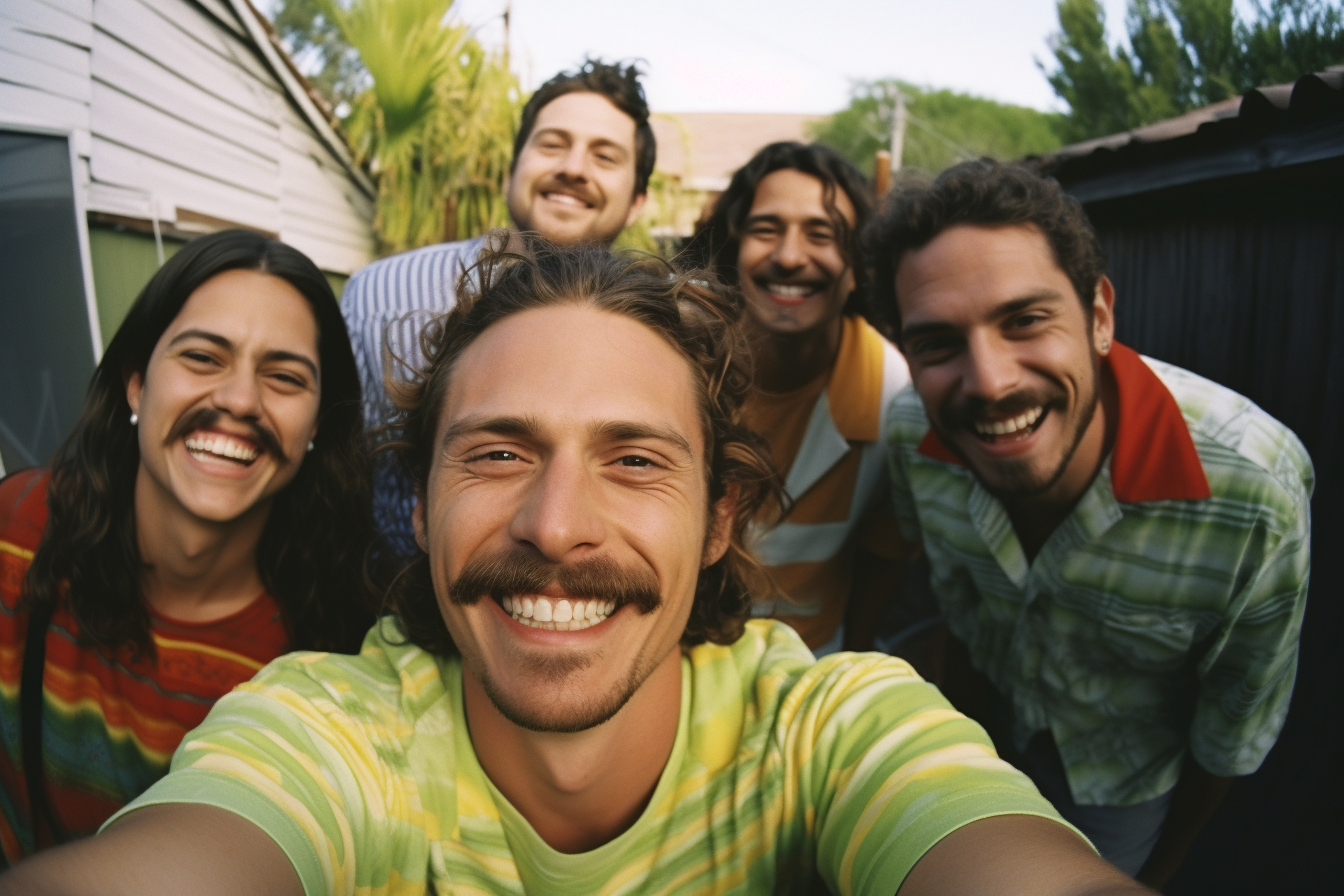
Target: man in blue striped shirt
580,173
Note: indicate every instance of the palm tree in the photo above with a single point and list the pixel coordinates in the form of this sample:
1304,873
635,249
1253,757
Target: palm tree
436,128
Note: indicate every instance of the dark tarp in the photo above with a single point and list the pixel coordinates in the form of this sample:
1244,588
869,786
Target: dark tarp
1242,280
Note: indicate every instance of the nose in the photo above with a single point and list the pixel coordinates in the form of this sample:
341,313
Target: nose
789,253
574,163
560,516
239,395
990,369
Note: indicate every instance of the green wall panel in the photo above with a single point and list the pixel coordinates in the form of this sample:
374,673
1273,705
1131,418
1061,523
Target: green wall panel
123,262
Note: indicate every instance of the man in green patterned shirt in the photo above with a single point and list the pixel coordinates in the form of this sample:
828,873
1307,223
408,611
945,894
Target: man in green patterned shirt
569,699
1120,545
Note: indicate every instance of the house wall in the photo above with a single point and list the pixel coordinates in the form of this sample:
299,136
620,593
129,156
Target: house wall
178,112
123,262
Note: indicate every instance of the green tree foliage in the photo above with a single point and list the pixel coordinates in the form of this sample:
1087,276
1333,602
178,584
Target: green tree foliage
322,52
1182,54
942,127
434,122
1288,39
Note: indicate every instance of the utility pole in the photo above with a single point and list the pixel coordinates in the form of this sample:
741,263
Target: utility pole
882,172
898,119
508,13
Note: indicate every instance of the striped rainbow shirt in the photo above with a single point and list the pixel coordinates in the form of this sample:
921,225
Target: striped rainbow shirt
110,721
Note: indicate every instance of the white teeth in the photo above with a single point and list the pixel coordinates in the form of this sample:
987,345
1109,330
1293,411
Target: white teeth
565,198
789,289
1007,427
558,614
223,446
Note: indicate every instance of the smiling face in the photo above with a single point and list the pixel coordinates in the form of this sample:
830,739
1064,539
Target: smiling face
790,261
574,179
566,512
1006,359
229,398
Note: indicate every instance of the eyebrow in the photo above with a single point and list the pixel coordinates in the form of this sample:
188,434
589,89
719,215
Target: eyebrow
516,427
622,430
530,428
779,221
1005,309
227,344
569,136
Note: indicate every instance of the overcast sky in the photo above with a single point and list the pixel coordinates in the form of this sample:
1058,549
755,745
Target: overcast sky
788,55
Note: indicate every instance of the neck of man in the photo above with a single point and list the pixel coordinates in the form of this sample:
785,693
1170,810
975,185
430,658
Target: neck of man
581,790
1036,518
788,361
195,570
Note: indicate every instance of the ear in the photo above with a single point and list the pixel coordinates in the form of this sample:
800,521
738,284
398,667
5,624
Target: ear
1103,316
720,527
636,207
134,386
418,521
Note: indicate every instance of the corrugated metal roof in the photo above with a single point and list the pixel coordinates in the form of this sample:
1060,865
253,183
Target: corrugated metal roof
1270,127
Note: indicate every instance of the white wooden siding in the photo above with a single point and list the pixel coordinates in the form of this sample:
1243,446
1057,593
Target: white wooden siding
184,104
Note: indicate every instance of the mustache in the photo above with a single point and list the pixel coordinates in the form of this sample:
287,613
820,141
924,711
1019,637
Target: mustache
561,184
205,418
511,573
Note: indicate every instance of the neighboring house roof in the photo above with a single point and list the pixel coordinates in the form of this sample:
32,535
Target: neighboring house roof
705,148
188,113
1269,127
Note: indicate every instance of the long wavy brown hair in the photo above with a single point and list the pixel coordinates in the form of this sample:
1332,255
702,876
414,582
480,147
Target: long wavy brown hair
311,552
695,314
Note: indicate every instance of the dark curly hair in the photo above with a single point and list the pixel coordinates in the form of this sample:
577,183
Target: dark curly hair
983,193
693,312
311,552
716,242
619,83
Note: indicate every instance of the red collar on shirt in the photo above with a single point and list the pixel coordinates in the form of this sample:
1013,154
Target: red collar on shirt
1154,457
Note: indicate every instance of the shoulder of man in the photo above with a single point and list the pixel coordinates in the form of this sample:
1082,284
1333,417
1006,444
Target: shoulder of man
393,283
906,421
389,681
1238,443
771,670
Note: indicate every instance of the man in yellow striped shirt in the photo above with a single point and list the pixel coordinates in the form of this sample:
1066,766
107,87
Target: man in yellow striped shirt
569,699
785,232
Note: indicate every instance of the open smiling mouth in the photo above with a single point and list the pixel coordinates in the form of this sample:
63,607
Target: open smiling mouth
557,614
789,291
1014,429
566,199
217,446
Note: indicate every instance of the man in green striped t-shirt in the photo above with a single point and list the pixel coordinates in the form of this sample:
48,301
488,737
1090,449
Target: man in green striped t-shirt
1120,545
570,699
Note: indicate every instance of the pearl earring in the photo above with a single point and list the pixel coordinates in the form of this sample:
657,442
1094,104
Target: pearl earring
135,418
310,445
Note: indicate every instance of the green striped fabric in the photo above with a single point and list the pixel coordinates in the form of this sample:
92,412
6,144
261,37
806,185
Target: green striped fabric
1141,629
362,769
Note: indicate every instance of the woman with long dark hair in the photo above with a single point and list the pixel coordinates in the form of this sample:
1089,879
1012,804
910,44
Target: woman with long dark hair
209,512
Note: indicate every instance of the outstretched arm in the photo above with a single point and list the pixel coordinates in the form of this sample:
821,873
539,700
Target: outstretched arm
1016,855
185,849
